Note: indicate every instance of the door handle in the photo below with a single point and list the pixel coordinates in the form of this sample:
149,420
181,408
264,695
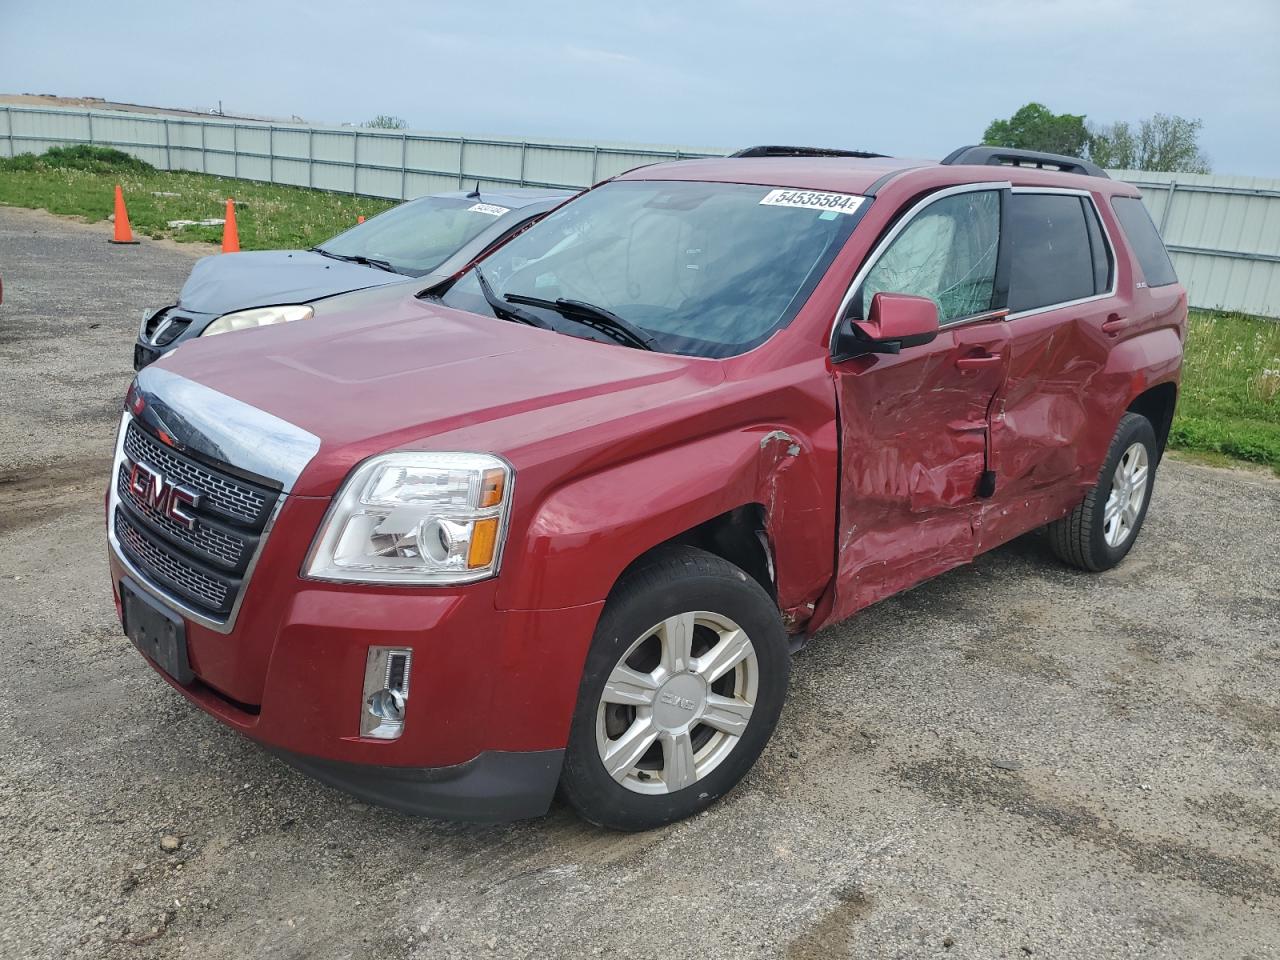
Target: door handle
1114,324
978,362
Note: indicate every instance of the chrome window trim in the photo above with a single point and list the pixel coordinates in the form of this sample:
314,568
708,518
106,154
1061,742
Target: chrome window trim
1106,236
878,251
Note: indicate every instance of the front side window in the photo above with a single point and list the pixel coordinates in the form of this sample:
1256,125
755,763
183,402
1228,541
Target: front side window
416,237
704,269
947,253
1052,247
1157,268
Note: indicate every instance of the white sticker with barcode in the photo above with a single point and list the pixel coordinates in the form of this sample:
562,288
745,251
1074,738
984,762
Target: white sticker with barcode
492,209
812,200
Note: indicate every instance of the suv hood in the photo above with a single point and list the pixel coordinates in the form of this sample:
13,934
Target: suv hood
222,283
408,374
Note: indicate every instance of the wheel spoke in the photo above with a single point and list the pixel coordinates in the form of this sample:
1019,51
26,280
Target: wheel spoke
727,714
1130,516
733,648
625,752
630,687
1112,509
1138,479
678,769
676,636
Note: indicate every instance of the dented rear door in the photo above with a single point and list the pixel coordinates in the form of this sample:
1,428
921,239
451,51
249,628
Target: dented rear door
1063,298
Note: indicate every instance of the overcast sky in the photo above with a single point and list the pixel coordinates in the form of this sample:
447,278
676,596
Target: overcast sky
908,77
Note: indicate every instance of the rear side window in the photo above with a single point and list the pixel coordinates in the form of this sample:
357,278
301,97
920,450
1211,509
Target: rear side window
1056,251
1157,268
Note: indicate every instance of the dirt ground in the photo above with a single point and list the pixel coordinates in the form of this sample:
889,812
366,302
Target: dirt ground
1012,760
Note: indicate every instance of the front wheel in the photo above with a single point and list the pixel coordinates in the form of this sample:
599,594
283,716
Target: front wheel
1098,533
682,688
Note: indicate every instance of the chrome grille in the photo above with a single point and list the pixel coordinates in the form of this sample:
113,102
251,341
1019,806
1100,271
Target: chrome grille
202,564
213,543
210,592
232,498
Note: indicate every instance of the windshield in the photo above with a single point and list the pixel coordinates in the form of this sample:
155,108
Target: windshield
706,269
416,237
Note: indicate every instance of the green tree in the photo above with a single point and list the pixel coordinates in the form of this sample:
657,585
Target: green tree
1036,127
1163,142
385,121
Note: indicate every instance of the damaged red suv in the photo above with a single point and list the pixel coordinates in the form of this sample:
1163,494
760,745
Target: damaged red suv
558,523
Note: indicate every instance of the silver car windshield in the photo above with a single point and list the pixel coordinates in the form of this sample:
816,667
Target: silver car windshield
416,237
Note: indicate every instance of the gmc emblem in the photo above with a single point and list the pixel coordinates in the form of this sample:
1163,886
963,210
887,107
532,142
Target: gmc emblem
167,499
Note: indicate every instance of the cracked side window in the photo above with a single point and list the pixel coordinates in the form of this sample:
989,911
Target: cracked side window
946,253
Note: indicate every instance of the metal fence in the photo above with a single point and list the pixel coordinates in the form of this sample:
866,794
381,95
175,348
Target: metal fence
1223,232
396,164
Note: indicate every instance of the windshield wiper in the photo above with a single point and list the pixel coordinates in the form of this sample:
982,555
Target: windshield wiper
501,309
606,321
367,261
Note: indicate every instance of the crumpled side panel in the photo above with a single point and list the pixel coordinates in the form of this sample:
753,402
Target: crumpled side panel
914,446
1039,420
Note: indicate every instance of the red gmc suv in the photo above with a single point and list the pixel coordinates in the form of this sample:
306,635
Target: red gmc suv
559,521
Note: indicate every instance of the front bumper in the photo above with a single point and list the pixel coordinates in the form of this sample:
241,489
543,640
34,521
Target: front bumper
492,692
493,787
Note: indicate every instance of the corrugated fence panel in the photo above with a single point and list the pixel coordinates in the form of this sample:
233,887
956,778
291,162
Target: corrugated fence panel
431,156
558,166
496,162
1223,232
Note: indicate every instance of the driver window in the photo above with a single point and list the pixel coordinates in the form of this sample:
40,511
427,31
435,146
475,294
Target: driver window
946,253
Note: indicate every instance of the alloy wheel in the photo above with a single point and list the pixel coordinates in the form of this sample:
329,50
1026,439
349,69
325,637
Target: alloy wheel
677,702
1128,493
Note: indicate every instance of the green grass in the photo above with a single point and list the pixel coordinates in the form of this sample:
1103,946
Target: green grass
80,182
1230,403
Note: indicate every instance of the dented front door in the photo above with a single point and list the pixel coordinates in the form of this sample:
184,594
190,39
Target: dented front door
915,434
916,426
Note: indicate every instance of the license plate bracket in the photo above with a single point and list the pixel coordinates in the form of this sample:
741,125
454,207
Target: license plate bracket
159,635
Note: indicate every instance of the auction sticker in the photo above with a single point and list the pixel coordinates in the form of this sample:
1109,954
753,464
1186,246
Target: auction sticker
811,200
492,209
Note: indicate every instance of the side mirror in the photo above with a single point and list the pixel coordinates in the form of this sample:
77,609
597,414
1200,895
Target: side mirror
895,320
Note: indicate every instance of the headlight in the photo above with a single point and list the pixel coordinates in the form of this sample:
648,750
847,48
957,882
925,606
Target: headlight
416,518
259,317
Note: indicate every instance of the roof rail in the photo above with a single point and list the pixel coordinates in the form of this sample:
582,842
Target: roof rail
1010,157
776,151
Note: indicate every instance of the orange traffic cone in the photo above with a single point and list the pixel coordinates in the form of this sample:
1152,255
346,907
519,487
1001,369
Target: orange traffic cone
360,218
230,235
123,233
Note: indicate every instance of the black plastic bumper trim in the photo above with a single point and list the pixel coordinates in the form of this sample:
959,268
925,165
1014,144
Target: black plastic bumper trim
494,787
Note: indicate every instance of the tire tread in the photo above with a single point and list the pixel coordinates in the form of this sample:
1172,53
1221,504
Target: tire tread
1070,538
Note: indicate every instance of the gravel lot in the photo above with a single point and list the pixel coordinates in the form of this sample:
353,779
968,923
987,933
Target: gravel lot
1012,760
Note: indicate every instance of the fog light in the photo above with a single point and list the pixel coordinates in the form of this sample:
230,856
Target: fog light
386,688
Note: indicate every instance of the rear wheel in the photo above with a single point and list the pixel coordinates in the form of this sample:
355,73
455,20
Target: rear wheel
1098,533
682,688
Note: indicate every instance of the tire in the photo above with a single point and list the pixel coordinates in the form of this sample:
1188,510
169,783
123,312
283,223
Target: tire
680,599
1088,537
